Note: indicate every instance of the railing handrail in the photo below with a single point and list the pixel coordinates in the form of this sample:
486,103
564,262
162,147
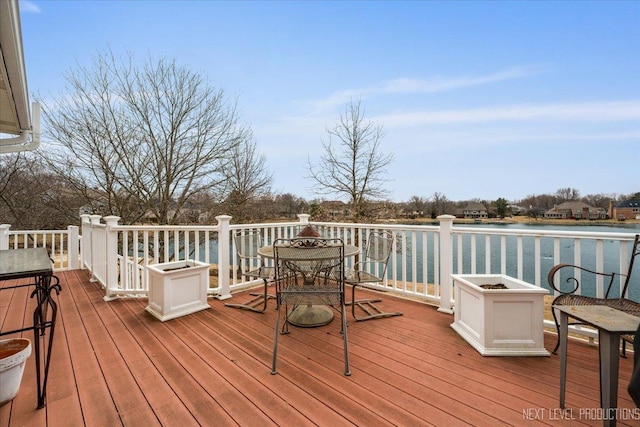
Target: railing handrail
547,233
164,227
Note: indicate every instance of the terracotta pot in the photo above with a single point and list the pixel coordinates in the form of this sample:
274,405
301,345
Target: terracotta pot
13,356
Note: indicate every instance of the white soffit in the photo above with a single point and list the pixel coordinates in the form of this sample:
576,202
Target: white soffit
15,118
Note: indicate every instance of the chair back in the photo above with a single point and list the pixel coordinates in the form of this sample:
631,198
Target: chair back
247,244
309,271
378,250
634,253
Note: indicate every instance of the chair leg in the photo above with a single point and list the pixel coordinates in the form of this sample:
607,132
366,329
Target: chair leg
285,326
257,304
347,370
555,319
275,344
368,306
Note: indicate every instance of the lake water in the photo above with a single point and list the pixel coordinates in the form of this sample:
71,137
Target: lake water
622,228
547,260
424,241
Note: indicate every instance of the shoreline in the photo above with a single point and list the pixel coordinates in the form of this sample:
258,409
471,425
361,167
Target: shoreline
525,221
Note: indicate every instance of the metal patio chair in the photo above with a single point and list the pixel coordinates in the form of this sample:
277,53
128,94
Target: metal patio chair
309,271
252,266
372,269
572,296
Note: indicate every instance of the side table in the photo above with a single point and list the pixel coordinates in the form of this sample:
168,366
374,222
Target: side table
35,263
610,324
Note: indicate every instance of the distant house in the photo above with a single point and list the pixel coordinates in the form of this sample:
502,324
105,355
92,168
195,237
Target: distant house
515,209
575,210
628,209
475,210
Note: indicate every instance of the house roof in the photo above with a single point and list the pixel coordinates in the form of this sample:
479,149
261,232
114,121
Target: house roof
15,115
631,203
475,206
574,207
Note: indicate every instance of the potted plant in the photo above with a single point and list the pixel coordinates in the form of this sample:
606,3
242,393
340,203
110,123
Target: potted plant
13,357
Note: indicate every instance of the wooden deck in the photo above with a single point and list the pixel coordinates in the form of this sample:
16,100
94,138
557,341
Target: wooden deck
114,364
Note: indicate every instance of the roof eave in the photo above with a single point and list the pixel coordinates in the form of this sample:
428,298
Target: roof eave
15,118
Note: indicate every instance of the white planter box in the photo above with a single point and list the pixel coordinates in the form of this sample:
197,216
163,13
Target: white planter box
177,288
499,322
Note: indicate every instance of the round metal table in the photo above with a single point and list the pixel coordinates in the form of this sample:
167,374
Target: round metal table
310,316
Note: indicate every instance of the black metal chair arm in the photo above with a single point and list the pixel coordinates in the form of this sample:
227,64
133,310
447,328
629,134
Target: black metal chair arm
574,282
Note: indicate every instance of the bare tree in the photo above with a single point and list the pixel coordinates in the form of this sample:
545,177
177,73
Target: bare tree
288,205
439,205
147,138
567,194
353,164
599,200
31,197
417,205
246,181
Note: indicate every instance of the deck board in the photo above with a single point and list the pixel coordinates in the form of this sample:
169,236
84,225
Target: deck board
114,364
84,330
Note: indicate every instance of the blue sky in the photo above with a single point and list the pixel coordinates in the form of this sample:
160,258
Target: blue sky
476,99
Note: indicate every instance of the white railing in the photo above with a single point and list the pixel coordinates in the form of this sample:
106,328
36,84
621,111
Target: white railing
132,248
424,258
529,254
63,245
94,239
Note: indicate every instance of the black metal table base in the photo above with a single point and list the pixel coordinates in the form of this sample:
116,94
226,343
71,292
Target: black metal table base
44,317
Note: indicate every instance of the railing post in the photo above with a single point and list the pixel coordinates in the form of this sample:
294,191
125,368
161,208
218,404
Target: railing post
4,236
73,247
446,262
111,253
85,244
94,220
223,256
304,218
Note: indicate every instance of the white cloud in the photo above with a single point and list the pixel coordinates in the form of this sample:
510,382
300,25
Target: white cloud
416,86
446,130
29,7
578,112
438,84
